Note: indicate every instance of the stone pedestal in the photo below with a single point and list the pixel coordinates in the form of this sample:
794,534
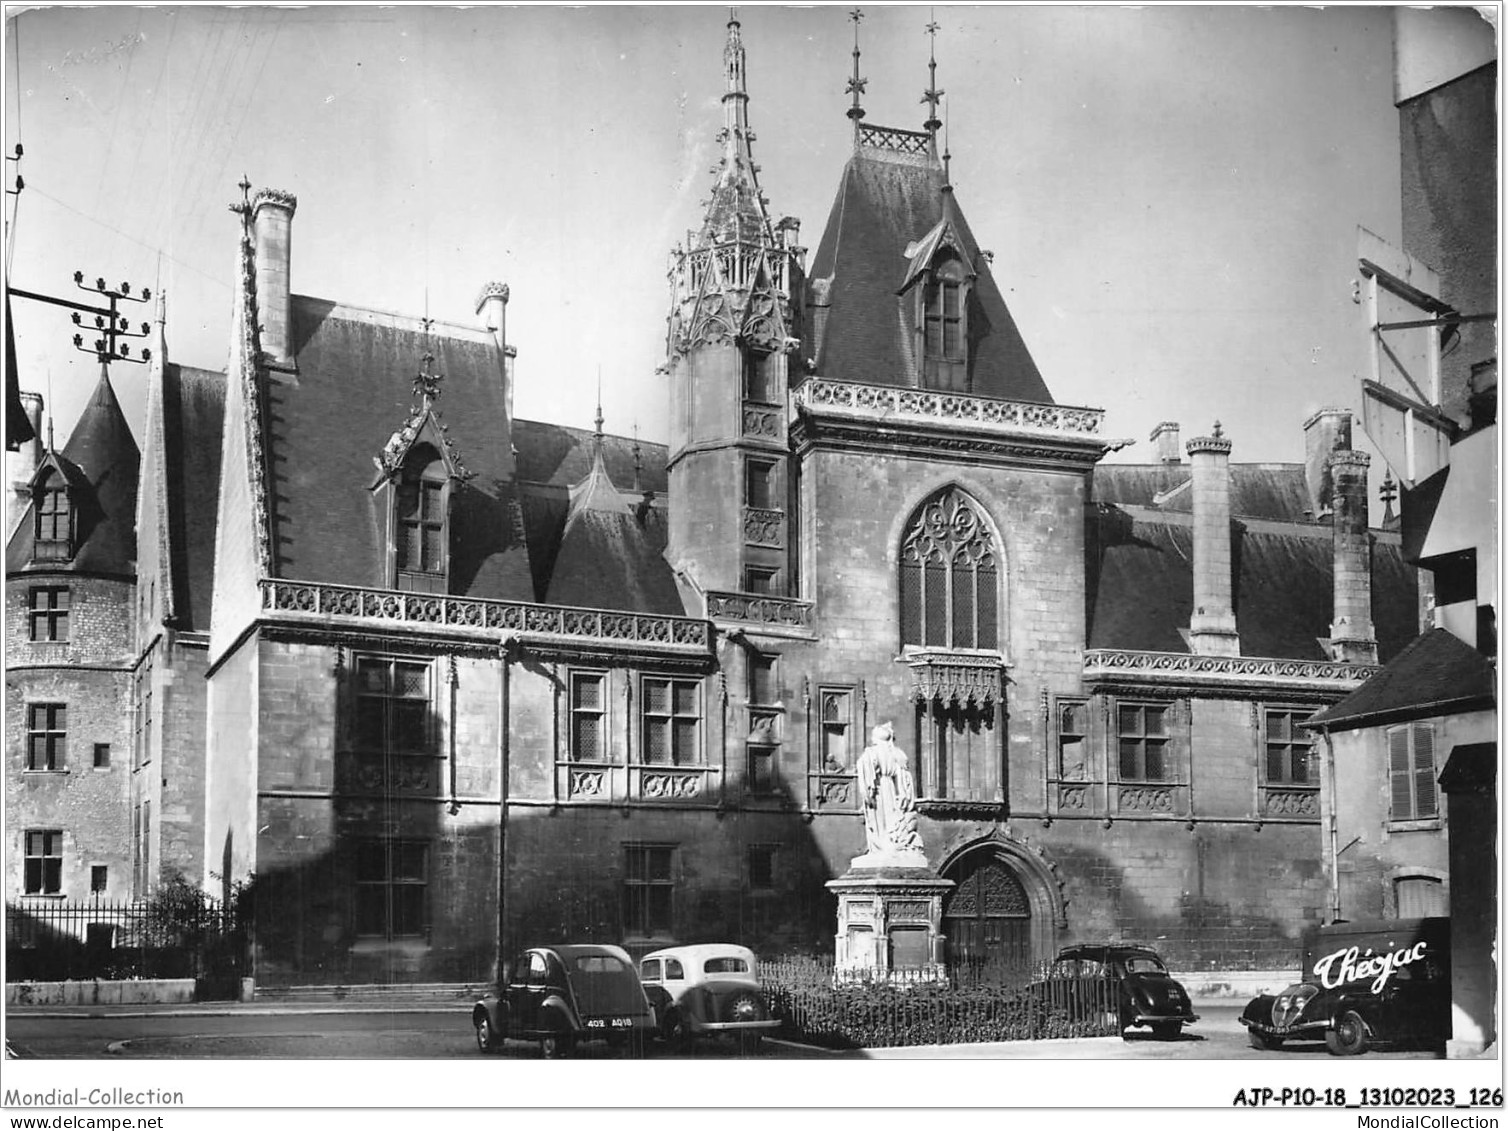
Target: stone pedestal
890,919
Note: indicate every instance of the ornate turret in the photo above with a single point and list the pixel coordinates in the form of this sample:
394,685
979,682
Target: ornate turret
731,331
731,282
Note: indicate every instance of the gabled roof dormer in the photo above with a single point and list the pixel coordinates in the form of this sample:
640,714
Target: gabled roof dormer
57,489
899,291
83,498
418,468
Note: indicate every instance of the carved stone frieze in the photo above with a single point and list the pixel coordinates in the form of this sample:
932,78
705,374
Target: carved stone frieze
835,792
765,423
956,677
764,527
587,783
1144,799
1290,803
1073,797
684,785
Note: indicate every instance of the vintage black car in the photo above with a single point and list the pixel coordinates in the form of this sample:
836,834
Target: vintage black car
1125,984
1365,983
562,995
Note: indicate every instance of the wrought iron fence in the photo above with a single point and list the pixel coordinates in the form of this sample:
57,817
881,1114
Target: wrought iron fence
981,1002
68,940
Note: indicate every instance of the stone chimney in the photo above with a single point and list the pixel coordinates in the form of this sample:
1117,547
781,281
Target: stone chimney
272,224
1352,637
492,309
1327,431
22,464
1165,436
1212,627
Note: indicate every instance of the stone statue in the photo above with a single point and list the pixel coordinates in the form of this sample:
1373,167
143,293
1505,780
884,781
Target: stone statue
889,798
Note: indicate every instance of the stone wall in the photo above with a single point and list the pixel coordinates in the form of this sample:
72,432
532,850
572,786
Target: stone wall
182,705
320,818
88,675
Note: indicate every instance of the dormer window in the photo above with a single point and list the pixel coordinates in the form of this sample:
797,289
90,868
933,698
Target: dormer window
421,503
944,328
54,520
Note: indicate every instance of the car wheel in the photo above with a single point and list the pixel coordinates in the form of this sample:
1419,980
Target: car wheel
743,1007
670,1027
1262,1040
486,1038
1167,1030
557,1046
1348,1037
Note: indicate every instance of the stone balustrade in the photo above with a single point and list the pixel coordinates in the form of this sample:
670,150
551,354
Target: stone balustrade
751,608
1177,668
923,406
326,602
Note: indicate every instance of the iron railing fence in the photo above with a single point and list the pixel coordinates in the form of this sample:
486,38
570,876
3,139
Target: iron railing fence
68,940
980,1002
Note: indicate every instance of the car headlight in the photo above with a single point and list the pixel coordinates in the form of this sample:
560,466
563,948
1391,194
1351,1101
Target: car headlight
1290,1004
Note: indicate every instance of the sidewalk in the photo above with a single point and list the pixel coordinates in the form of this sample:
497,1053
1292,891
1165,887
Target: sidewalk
324,1006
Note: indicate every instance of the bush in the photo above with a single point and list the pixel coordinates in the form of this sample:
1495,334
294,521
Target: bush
881,1015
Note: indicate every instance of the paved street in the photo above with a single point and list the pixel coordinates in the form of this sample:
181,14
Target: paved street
253,1032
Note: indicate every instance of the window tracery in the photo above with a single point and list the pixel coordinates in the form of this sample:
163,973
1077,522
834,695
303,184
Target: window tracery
950,580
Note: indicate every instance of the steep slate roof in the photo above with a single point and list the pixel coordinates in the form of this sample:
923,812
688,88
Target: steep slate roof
885,203
1437,674
102,463
554,455
553,459
1140,586
615,560
612,551
193,418
1275,491
353,388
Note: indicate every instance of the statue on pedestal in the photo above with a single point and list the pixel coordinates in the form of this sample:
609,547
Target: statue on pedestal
889,797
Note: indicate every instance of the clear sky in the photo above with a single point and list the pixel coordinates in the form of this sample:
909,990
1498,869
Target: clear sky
1172,194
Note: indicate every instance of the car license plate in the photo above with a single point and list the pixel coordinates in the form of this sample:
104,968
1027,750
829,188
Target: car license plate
610,1023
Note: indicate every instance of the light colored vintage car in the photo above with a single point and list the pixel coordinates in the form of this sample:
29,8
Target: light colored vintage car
709,989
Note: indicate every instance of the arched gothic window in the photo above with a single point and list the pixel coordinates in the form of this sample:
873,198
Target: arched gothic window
950,581
421,541
53,539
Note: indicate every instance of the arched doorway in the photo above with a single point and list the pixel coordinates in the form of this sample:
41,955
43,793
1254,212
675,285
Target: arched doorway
987,917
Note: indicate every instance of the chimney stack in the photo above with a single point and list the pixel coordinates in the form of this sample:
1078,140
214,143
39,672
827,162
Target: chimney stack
1165,436
23,464
1327,431
272,224
1352,637
1212,628
492,309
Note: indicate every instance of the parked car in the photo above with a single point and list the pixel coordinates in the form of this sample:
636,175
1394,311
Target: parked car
1364,983
562,995
1128,985
707,989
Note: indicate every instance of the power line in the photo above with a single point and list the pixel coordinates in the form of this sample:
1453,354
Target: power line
129,236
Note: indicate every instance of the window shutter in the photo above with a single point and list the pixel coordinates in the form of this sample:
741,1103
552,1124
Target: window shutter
1398,771
1424,770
